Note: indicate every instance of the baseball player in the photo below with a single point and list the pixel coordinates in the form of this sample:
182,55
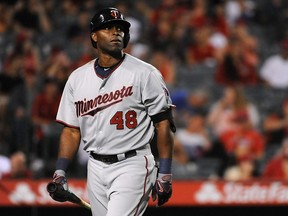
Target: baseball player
114,104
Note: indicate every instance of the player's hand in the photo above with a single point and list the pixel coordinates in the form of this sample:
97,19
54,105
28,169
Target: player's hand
162,189
60,180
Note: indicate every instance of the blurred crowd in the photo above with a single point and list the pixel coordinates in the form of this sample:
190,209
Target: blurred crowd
224,61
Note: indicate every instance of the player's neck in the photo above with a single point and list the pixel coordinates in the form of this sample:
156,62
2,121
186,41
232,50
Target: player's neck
108,60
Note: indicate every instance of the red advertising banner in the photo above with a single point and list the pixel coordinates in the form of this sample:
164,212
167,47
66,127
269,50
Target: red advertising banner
34,193
229,193
185,193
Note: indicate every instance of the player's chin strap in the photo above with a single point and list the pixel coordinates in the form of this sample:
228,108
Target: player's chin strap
165,115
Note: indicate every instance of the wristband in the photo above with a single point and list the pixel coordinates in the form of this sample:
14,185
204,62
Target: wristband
62,164
165,165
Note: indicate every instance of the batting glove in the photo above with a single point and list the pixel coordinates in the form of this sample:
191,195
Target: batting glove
162,188
60,179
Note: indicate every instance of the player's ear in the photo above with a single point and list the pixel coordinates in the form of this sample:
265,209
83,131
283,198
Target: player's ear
94,36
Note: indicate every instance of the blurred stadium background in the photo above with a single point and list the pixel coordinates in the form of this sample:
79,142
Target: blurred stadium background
206,50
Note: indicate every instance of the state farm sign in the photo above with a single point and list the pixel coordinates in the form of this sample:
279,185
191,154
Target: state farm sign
221,193
240,193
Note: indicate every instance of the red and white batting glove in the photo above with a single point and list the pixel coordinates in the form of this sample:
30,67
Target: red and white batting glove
162,188
60,178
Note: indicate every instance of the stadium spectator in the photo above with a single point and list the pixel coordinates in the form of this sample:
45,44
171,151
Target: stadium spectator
198,101
274,69
217,17
233,70
189,102
22,57
11,74
239,62
180,36
239,10
19,167
198,17
244,169
67,15
243,139
161,33
192,142
19,114
277,167
57,65
275,125
168,10
30,16
222,113
200,51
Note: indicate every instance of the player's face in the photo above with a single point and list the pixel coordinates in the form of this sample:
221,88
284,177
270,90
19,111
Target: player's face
110,39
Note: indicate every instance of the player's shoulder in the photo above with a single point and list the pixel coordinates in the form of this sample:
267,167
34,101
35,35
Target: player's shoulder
132,61
143,69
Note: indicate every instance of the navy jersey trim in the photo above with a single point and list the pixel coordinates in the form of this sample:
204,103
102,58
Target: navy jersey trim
102,73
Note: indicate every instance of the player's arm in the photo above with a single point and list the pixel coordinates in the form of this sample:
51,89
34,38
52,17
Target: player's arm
69,142
164,127
68,147
164,141
159,106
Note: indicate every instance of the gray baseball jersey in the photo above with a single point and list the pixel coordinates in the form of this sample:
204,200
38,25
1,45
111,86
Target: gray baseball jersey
113,112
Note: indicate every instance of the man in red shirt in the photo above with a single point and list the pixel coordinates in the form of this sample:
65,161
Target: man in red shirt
243,140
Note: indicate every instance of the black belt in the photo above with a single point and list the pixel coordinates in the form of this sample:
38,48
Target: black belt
113,158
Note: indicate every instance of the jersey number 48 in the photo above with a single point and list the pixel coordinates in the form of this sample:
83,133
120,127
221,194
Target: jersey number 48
129,119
